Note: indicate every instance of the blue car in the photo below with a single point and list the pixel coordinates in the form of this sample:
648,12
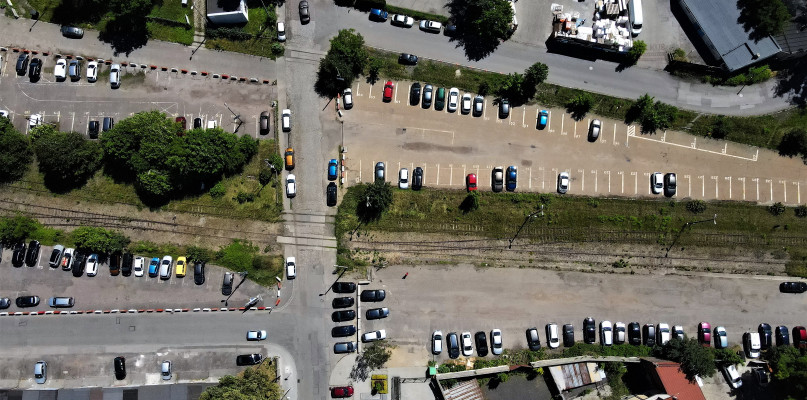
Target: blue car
332,168
378,15
542,119
511,178
154,267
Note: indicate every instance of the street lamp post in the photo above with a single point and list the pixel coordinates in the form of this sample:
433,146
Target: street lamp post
686,225
343,269
527,219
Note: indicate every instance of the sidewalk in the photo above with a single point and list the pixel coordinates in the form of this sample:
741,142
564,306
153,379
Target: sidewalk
411,390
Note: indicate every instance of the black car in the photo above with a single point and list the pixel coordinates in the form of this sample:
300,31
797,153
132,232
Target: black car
417,179
533,341
342,302
35,70
27,301
199,273
481,343
344,287
782,336
22,64
765,336
72,32
120,368
18,257
342,316
227,284
649,335
93,129
414,94
128,260
32,255
378,313
669,184
197,123
264,122
78,264
249,359
589,330
408,59
373,295
450,30
568,335
305,17
793,287
343,331
5,303
331,194
634,334
453,344
344,347
114,264
56,256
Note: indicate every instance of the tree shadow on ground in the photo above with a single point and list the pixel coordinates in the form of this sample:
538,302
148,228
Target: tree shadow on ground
125,36
793,82
360,370
74,13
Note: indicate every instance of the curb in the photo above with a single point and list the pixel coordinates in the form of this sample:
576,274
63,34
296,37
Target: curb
132,311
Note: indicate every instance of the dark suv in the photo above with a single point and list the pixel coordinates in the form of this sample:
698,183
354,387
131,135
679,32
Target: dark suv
27,301
765,336
32,255
568,335
22,64
669,184
128,260
344,315
373,295
453,343
35,71
414,94
78,264
120,368
18,257
634,333
199,273
344,287
342,302
343,331
114,264
249,359
589,330
649,334
481,343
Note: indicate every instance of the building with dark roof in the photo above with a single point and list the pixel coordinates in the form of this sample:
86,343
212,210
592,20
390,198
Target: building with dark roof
793,40
716,21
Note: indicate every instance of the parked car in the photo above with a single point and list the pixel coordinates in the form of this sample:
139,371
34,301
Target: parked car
128,260
256,335
417,179
56,256
35,70
496,345
663,334
619,333
720,337
72,32
765,336
18,256
263,123
606,333
467,101
414,94
481,342
197,123
678,332
22,64
379,171
467,346
428,93
374,295
344,347
60,69
589,330
563,182
594,130
568,335
343,302
430,26
782,336
343,331
330,194
40,372
67,259
543,119
305,16
291,268
437,342
793,287
669,184
61,302
799,337
705,333
154,267
403,179
119,364
165,267
649,335
27,301
92,265
344,287
181,267
114,264
440,99
497,179
114,76
374,336
138,266
634,333
552,339
347,98
453,99
453,344
285,120
343,316
288,159
504,108
389,87
751,344
511,178
199,273
378,15
248,359
74,70
281,32
165,370
32,255
656,182
733,378
78,264
533,341
93,129
291,186
227,284
340,392
402,20
470,182
107,123
479,106
92,71
377,313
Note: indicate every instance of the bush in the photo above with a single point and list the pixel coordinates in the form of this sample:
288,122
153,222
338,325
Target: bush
776,209
680,55
237,256
470,203
366,5
635,52
243,197
278,49
229,33
198,254
17,228
801,211
99,240
417,15
696,206
17,154
218,190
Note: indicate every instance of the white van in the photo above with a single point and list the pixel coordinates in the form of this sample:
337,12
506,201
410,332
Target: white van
635,10
291,268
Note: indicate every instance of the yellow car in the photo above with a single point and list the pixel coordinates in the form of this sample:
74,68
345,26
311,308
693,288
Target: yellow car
181,266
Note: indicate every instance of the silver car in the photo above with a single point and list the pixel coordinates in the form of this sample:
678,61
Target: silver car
467,345
40,372
563,182
656,182
466,103
453,99
114,76
165,371
594,130
496,341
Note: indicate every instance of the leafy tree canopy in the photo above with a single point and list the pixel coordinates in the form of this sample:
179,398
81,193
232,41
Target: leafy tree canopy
377,197
652,116
66,160
481,25
762,18
344,62
255,383
794,143
15,152
17,228
99,240
695,359
789,366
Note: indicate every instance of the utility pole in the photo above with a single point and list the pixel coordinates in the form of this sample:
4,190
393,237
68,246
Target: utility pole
527,219
686,225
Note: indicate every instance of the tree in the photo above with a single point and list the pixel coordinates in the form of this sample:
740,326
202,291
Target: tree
470,203
652,116
794,143
377,197
15,152
99,240
254,383
17,228
374,357
536,74
153,187
721,127
344,61
41,130
511,88
374,68
789,366
763,18
66,160
198,254
579,105
130,9
695,359
481,25
635,52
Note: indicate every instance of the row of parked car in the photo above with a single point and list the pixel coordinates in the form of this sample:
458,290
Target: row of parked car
620,333
33,301
65,69
370,296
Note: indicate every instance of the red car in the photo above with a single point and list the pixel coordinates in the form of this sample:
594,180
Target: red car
470,182
705,334
341,392
388,88
800,337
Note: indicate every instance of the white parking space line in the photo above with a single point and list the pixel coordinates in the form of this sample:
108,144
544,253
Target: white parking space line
703,185
622,178
562,119
742,179
609,180
450,174
635,182
693,146
715,179
615,142
358,89
770,181
582,173
485,109
396,97
798,192
728,178
756,180
784,186
370,92
689,185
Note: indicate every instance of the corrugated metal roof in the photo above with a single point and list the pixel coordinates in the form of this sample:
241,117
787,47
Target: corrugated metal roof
718,20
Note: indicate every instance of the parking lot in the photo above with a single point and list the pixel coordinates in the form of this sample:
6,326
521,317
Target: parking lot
448,146
71,105
107,292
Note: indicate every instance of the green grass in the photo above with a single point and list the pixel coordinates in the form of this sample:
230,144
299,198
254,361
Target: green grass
173,10
261,24
167,33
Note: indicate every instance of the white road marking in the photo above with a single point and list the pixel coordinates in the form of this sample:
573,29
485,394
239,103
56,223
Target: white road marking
562,118
370,92
689,185
770,181
703,186
582,173
609,180
635,182
798,192
728,178
396,96
715,179
595,179
784,186
692,146
742,179
622,177
757,182
450,174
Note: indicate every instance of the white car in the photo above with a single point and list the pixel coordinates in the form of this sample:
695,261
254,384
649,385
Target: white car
291,268
139,266
751,344
212,124
285,120
373,336
165,370
431,26
281,32
92,71
663,332
402,20
92,265
256,335
165,267
466,103
67,258
437,342
403,179
563,182
453,99
114,76
606,333
60,70
619,332
347,98
732,376
552,339
467,345
40,372
291,186
4,113
496,341
656,182
34,120
678,332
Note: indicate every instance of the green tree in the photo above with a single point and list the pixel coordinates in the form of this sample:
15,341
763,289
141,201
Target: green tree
470,202
635,52
254,383
763,18
67,160
789,366
377,197
374,68
580,105
536,74
99,240
726,356
15,152
776,209
17,228
198,254
153,187
512,88
695,359
265,176
40,131
721,127
344,61
652,116
794,143
130,9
